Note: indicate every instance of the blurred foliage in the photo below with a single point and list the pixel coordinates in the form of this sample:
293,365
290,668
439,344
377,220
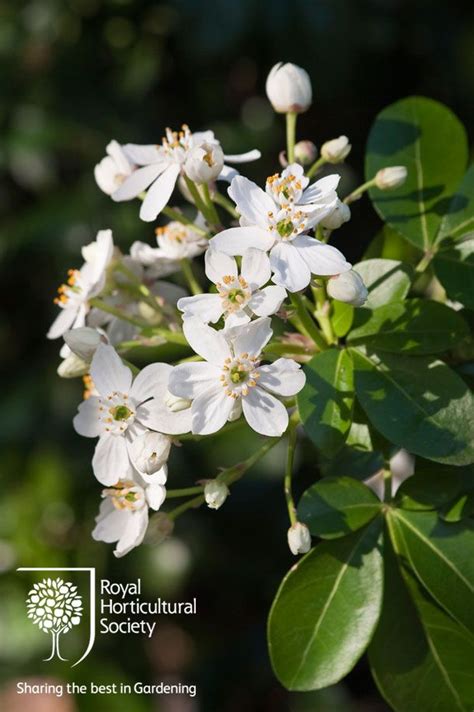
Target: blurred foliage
74,74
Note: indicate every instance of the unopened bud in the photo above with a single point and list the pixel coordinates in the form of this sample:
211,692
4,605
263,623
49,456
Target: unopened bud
215,493
149,453
305,152
288,88
299,538
84,341
391,177
336,150
340,215
175,403
204,162
348,287
72,367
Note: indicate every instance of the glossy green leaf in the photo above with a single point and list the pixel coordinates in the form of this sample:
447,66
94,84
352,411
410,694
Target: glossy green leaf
358,458
386,280
442,557
459,219
325,403
430,141
388,244
417,403
342,317
454,267
326,609
420,658
414,326
428,491
336,506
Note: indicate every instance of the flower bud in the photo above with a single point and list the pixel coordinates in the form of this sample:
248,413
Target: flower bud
84,341
336,150
340,215
305,152
391,177
149,453
175,403
215,493
204,162
348,287
299,538
73,367
289,88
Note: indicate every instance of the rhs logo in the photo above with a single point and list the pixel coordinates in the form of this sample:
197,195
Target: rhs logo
55,606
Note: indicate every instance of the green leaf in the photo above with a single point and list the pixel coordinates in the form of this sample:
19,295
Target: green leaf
442,557
386,280
342,317
430,141
454,267
428,491
390,245
417,403
326,609
415,326
459,219
419,657
337,506
325,403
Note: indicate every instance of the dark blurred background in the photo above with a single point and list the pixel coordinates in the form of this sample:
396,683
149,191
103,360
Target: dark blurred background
75,74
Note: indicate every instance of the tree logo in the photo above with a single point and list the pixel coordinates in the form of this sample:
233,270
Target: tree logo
55,607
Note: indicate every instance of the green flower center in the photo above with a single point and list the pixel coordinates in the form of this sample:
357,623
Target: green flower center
285,227
238,374
234,294
121,412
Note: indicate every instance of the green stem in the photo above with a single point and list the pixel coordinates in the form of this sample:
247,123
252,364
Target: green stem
228,428
198,200
208,200
322,312
319,162
425,261
291,135
308,322
103,306
137,288
387,484
359,191
179,217
280,347
184,492
290,503
172,337
188,273
226,204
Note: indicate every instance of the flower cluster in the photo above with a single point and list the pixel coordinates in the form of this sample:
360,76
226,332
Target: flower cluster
258,267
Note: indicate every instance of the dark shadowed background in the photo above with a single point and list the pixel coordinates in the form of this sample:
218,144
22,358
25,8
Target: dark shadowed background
75,74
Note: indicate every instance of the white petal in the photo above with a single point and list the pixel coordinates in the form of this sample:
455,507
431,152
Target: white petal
207,307
156,495
137,182
252,337
62,323
145,382
116,151
237,318
267,301
188,380
227,174
159,477
321,259
156,414
143,155
105,173
320,189
111,462
236,240
253,155
284,377
255,268
264,413
133,533
251,201
289,268
219,264
109,372
87,422
205,341
211,410
111,523
159,193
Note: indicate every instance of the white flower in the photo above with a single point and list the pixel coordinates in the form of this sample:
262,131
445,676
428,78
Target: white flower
299,538
113,169
154,262
238,297
204,162
305,152
336,150
391,177
123,516
160,167
177,242
349,288
72,366
82,285
84,341
288,88
122,412
340,215
277,220
215,493
231,377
